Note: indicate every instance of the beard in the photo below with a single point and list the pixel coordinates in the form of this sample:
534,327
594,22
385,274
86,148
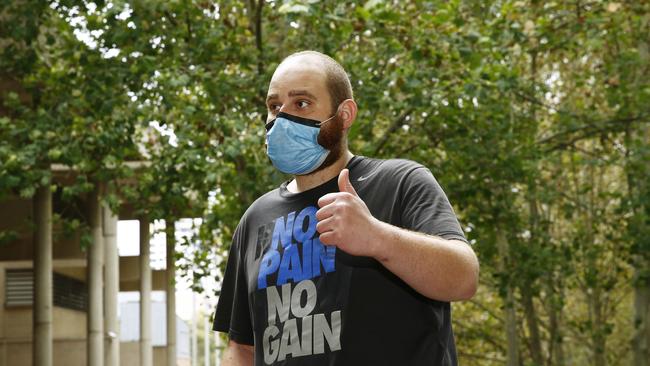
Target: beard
331,137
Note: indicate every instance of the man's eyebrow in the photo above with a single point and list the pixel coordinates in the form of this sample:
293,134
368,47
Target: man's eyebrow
295,93
271,96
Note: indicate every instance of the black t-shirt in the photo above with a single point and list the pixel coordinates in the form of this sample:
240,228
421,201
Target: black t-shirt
300,302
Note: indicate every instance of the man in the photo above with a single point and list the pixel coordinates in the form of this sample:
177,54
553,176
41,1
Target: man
352,262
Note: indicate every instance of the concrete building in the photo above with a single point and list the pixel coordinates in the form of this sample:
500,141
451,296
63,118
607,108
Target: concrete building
130,334
59,303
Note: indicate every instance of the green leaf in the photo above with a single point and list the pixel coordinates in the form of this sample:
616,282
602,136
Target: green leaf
8,236
289,8
54,154
371,4
27,192
362,12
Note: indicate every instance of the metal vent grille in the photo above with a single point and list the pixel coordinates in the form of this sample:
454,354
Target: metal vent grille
19,284
67,292
70,293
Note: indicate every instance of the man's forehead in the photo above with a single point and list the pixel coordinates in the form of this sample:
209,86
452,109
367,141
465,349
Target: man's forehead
298,75
308,62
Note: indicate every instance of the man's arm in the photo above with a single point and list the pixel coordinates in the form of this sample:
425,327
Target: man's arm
238,354
445,270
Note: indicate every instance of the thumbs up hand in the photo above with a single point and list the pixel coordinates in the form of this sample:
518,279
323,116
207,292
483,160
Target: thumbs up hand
345,221
344,183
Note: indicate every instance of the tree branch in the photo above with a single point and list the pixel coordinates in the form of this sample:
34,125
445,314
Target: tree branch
188,25
586,131
487,310
399,121
481,357
258,37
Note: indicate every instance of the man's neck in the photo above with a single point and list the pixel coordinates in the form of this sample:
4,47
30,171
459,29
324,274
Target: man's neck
302,183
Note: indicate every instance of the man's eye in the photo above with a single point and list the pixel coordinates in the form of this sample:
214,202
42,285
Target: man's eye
302,104
274,107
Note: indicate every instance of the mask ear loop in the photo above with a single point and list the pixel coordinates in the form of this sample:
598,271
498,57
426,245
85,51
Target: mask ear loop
331,118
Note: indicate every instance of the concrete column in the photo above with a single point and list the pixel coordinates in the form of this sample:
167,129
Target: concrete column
217,352
42,350
170,231
111,287
219,347
206,337
195,329
146,350
95,283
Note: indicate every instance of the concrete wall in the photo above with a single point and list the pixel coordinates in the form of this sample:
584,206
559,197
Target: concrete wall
69,346
130,354
130,274
73,353
69,326
69,352
17,321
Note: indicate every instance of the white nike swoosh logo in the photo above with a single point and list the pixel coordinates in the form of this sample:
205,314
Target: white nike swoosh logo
360,179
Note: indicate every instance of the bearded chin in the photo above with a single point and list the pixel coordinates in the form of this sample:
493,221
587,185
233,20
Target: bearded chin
331,137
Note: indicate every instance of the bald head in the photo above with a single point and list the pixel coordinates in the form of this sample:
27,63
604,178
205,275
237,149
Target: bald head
336,79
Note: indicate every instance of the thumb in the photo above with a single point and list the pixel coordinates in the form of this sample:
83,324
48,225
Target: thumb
344,183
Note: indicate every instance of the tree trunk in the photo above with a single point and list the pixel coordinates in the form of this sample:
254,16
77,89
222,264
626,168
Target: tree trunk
598,334
641,340
533,327
640,190
592,288
526,292
512,354
556,347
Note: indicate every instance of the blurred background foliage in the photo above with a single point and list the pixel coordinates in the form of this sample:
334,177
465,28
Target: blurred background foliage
533,115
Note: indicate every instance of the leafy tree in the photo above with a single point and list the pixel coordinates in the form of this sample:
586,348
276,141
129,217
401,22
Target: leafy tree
532,115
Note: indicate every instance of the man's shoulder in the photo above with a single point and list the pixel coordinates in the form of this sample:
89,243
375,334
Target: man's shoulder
404,165
385,167
263,202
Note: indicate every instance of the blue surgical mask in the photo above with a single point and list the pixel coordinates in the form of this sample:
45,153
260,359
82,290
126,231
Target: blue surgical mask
292,144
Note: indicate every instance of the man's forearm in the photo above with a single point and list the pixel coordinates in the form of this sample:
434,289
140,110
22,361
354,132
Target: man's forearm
445,270
237,354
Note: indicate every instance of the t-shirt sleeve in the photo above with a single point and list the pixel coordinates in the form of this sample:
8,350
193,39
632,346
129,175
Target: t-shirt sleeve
425,207
232,315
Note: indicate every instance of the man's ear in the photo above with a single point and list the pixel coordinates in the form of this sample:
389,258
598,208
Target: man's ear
348,112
